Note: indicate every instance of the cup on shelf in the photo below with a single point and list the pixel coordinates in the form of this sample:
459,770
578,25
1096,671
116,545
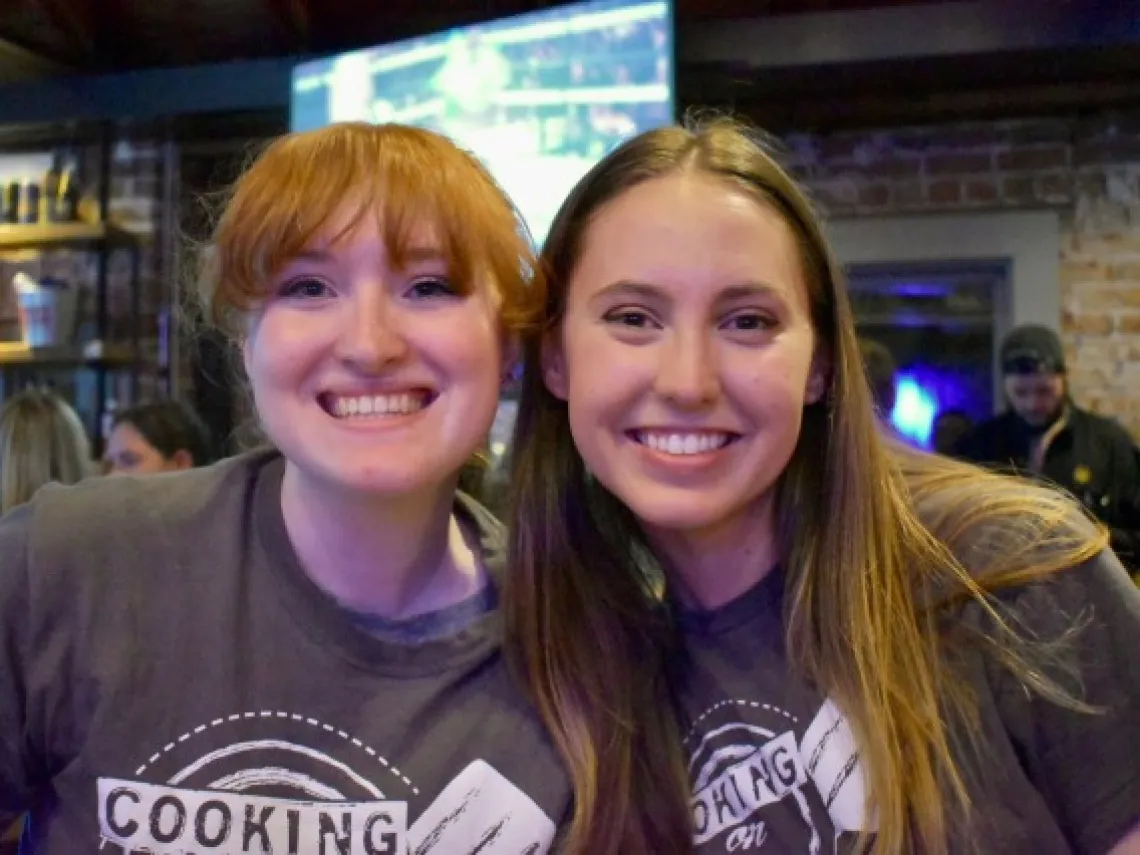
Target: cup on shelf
46,310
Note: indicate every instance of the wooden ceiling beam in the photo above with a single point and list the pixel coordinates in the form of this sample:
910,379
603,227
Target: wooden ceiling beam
295,17
78,22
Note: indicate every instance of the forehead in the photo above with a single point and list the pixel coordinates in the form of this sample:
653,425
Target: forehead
356,223
126,434
1027,384
690,231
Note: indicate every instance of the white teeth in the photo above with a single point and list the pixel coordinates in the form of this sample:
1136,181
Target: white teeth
378,405
683,443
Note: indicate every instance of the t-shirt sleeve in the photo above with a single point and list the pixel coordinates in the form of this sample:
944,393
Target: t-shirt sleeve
1085,765
16,776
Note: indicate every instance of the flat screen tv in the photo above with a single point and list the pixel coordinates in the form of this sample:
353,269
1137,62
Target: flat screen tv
539,98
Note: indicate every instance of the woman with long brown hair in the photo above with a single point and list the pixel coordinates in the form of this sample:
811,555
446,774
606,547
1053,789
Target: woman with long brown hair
859,642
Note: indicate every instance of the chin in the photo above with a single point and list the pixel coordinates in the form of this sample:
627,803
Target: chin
386,479
682,515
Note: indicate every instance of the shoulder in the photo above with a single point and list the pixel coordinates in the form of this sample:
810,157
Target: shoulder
1000,527
104,527
1075,706
108,507
1105,426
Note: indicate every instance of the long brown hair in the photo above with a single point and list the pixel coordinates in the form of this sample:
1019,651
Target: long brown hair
876,541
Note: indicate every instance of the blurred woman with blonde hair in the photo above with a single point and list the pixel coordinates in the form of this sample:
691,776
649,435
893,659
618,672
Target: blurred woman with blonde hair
41,440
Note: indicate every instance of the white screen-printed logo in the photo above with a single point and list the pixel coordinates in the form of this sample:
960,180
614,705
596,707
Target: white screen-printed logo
286,797
754,782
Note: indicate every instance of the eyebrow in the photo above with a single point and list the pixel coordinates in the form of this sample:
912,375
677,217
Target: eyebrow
411,254
311,254
739,291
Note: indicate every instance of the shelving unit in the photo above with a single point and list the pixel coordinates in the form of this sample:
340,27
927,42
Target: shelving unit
107,360
61,236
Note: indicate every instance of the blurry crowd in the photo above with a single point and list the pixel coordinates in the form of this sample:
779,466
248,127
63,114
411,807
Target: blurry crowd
1042,433
43,440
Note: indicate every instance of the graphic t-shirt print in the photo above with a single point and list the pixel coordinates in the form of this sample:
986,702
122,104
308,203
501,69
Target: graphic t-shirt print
282,783
758,784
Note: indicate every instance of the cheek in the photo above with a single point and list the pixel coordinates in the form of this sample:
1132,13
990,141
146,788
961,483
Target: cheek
775,378
281,351
475,348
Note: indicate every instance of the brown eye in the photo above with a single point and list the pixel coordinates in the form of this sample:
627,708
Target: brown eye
750,321
305,287
629,318
431,287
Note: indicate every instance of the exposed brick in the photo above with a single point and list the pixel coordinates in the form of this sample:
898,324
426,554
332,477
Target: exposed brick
966,137
1055,189
1109,296
982,191
1042,131
1091,182
1124,271
1118,150
838,147
1019,190
897,167
945,192
969,163
1033,158
1129,324
834,196
874,196
909,195
1103,126
1086,323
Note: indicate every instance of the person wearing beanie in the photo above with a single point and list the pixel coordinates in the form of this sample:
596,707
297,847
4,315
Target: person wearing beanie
1044,434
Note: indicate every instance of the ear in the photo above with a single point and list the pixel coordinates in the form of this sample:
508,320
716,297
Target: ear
181,459
819,378
554,365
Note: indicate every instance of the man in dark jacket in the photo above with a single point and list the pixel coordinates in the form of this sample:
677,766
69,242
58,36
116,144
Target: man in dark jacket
1045,435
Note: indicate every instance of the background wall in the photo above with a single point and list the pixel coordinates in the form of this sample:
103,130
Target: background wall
1086,169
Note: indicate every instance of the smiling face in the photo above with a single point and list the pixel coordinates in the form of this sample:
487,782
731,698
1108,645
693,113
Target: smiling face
371,375
686,353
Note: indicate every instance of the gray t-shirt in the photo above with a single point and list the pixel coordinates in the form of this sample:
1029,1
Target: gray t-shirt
173,682
774,767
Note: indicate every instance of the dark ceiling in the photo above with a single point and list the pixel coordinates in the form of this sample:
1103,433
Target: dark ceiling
844,64
113,35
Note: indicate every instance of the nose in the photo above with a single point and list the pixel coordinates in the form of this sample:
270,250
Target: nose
687,374
371,338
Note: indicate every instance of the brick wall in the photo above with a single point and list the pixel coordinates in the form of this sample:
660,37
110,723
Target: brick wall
1086,169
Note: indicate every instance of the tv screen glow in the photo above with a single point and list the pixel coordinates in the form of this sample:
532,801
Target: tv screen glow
539,98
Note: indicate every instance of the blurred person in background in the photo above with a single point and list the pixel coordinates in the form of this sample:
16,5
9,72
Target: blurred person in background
881,369
158,436
41,440
950,426
1044,434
